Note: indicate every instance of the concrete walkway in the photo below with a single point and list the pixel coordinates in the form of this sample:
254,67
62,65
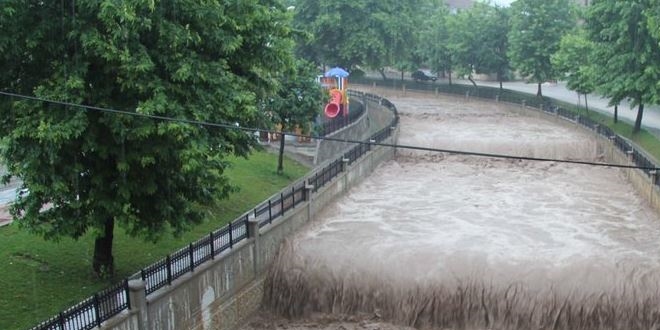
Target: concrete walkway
650,120
5,217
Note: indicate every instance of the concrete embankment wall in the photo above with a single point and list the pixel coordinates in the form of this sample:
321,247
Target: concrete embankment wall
222,293
373,120
642,183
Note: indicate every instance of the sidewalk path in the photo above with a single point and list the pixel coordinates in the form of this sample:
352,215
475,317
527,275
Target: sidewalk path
650,120
5,217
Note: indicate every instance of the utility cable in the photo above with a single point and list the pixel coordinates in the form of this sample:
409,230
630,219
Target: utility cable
370,143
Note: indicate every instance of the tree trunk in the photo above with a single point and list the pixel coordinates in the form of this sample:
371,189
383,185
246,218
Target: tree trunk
103,263
638,120
280,159
616,113
382,73
449,75
538,91
401,75
586,104
499,78
472,81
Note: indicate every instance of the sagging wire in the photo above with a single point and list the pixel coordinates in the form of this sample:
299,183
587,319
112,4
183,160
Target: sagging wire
325,138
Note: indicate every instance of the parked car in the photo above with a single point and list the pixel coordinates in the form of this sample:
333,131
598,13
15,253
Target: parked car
420,75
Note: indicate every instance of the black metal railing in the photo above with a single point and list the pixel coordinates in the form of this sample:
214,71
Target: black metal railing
91,312
331,125
185,260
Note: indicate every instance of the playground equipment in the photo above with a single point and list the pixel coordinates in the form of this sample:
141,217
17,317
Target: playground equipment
333,108
335,82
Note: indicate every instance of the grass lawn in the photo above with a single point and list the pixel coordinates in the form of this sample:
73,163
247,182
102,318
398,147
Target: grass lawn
39,279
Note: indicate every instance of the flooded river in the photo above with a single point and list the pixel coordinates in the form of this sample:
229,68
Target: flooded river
434,240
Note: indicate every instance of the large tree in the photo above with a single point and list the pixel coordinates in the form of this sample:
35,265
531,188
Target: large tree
434,40
575,60
627,56
297,103
88,170
536,30
346,33
478,41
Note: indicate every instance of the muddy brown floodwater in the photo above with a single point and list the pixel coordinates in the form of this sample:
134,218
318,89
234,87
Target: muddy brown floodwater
440,241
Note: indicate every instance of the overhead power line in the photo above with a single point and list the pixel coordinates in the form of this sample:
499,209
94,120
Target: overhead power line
350,141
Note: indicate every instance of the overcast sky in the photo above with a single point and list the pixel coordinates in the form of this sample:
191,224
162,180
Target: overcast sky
503,2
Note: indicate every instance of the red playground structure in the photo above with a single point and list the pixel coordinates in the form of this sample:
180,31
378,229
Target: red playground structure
335,82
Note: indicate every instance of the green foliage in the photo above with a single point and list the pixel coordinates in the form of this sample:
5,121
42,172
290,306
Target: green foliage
478,40
433,45
41,278
653,20
189,59
627,56
346,33
299,98
536,30
574,59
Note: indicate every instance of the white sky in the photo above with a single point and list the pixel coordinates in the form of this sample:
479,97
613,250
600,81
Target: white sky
503,2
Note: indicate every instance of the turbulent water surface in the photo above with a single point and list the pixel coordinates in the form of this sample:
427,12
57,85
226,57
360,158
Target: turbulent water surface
450,241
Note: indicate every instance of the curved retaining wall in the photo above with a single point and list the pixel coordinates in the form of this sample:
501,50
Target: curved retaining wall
222,293
615,148
644,183
373,120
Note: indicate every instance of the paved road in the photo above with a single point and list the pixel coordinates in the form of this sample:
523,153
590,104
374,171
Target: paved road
650,121
7,194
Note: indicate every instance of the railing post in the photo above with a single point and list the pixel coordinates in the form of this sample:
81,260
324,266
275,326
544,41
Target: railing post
212,241
281,204
307,192
192,257
138,302
612,145
253,234
231,236
270,212
654,177
97,310
168,260
293,196
344,164
630,154
61,320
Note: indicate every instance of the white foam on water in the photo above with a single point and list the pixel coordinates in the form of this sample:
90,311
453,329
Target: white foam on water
561,232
